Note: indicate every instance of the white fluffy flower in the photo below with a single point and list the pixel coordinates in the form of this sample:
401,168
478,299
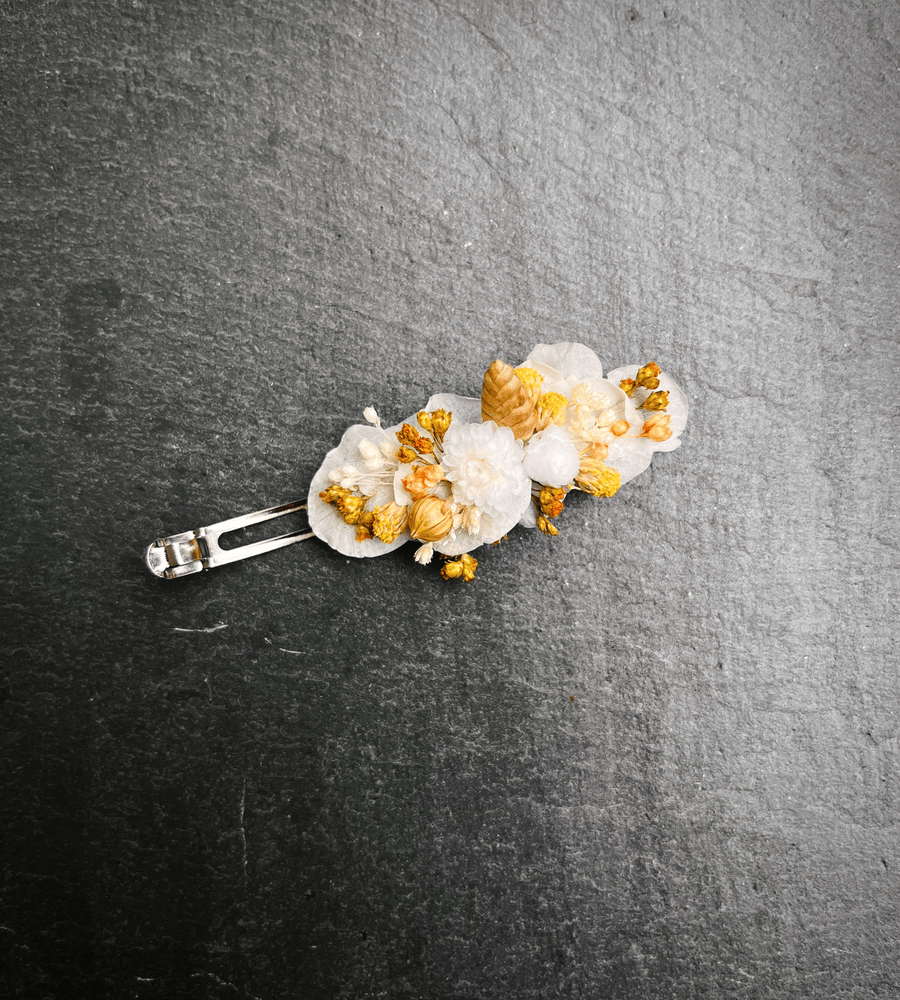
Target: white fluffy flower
484,464
552,457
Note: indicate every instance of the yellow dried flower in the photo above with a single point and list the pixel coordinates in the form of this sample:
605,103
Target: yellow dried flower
550,500
646,376
598,479
546,525
656,400
334,493
430,519
406,455
408,435
620,427
657,428
422,479
351,508
452,570
462,568
364,526
552,408
424,419
389,522
628,385
531,379
440,421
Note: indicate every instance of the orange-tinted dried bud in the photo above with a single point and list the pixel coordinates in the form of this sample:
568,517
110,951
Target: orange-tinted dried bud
422,479
619,428
657,427
551,499
596,451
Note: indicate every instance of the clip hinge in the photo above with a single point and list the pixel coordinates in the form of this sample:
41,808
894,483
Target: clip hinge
194,551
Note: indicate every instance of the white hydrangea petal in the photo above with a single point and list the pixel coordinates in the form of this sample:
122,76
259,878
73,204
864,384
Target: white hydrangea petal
568,359
465,409
324,519
629,456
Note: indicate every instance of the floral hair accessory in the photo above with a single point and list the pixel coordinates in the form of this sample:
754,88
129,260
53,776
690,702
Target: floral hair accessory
462,472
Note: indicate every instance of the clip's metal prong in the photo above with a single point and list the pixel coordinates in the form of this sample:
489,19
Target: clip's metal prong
194,551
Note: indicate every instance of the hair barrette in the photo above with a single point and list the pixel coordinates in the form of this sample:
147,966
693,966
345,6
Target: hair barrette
462,472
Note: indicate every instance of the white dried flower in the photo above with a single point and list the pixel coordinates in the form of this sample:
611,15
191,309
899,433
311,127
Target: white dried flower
372,416
425,553
484,464
552,457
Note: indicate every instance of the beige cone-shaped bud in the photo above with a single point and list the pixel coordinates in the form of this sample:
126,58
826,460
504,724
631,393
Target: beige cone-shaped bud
506,401
430,519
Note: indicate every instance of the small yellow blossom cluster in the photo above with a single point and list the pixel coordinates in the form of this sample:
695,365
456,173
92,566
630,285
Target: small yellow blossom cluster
658,426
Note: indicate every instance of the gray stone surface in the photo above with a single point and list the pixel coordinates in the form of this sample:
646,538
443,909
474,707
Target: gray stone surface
655,757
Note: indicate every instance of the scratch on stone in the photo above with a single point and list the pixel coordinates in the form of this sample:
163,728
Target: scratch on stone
281,649
215,628
243,833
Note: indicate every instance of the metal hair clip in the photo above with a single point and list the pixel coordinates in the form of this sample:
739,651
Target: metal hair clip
194,551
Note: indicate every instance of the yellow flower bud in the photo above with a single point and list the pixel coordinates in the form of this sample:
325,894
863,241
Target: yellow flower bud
655,401
424,419
406,455
646,376
430,519
451,570
334,493
628,385
364,526
440,421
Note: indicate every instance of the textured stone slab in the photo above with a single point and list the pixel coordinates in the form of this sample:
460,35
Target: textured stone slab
653,757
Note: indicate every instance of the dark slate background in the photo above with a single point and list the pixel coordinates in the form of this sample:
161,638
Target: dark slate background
655,757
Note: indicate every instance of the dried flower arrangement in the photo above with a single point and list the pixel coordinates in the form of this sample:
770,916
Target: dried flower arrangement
463,472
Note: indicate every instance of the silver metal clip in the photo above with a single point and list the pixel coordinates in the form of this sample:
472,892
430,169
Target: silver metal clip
194,551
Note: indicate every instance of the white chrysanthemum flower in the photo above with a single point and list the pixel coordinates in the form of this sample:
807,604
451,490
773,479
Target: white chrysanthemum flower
551,457
484,464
